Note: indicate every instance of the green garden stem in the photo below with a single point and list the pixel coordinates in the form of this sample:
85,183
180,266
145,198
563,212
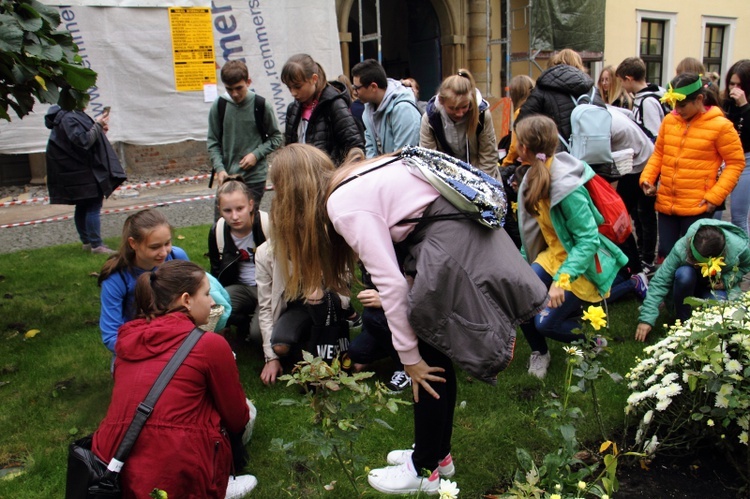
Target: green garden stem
568,382
597,412
346,470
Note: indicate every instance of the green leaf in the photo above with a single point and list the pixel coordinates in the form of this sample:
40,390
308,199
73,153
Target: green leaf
382,423
11,36
524,459
49,14
73,431
78,77
33,24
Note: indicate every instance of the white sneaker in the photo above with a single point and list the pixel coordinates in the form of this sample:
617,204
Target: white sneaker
446,469
402,479
241,485
538,364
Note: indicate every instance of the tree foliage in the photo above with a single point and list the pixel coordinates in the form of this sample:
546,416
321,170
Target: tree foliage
38,60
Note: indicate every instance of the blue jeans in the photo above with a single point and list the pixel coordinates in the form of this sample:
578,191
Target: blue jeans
688,281
556,323
374,341
739,202
621,286
673,227
88,221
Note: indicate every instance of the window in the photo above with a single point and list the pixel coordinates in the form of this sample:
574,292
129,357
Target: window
718,41
656,44
652,49
713,47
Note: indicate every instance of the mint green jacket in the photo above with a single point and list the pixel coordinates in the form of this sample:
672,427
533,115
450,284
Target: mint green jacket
576,222
736,257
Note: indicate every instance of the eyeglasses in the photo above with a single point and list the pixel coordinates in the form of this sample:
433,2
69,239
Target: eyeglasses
357,87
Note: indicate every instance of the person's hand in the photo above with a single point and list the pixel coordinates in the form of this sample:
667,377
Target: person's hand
248,161
369,298
648,189
738,95
718,285
710,207
271,371
556,296
642,331
222,176
420,374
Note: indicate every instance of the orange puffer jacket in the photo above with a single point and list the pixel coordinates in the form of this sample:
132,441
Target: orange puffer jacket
686,162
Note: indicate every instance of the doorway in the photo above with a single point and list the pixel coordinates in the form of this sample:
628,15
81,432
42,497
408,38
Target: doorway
410,40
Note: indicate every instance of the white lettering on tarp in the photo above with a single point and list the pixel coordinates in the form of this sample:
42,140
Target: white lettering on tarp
68,15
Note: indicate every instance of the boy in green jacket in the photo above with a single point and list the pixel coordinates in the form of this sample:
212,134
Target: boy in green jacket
708,262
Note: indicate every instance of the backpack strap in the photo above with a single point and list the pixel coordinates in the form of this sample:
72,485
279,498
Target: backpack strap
220,223
260,227
222,108
436,122
260,109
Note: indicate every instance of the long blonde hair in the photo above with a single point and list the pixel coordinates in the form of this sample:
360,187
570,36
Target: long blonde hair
520,88
459,85
539,135
306,247
568,57
615,89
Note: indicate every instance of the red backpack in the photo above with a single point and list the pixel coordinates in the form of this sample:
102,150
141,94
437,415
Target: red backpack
616,226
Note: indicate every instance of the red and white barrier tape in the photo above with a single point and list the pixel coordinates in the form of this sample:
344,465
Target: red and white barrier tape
121,188
110,211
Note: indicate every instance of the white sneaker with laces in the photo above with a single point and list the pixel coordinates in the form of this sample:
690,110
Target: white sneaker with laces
538,364
402,479
446,469
241,485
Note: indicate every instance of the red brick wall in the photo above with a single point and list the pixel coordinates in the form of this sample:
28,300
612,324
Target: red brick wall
166,160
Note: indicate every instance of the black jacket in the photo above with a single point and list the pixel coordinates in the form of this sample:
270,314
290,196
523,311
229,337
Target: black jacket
552,95
738,115
224,266
331,128
81,163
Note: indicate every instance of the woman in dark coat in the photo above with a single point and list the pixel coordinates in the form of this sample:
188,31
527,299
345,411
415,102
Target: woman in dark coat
320,114
82,169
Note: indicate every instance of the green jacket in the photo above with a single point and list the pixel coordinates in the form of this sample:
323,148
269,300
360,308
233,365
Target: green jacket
736,257
239,137
576,221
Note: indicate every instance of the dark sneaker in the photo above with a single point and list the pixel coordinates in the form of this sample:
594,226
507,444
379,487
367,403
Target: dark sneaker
355,321
399,381
648,268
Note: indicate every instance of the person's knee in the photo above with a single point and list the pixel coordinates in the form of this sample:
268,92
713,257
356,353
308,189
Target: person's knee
685,277
281,349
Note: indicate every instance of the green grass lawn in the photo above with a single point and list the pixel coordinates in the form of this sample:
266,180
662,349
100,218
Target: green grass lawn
55,387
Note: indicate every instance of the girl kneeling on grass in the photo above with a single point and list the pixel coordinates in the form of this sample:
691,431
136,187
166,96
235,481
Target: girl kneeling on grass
324,218
183,448
146,243
559,230
232,242
708,262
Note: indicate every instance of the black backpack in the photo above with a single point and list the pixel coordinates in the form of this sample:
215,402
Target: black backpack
638,114
260,107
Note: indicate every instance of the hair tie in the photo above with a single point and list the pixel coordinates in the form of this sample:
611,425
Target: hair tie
152,277
463,73
541,156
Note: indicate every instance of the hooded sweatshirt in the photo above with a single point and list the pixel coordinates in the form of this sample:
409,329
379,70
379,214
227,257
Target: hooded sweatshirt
575,219
182,448
394,123
736,257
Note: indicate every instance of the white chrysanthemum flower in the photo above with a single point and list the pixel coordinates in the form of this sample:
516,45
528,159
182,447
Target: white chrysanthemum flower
573,351
448,489
733,366
633,385
669,378
650,380
639,436
744,422
710,422
743,437
663,404
647,417
668,391
721,402
651,446
582,485
660,370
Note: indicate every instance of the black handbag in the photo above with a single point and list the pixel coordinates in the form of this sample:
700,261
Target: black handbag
88,476
331,339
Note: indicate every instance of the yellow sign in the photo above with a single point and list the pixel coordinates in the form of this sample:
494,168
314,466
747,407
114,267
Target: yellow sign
192,48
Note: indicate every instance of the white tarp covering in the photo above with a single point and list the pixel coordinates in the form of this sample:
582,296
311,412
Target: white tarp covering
131,50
